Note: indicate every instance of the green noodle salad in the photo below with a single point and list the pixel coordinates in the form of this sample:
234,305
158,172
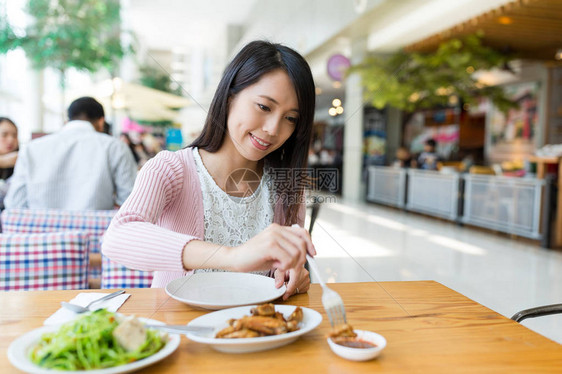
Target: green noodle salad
88,343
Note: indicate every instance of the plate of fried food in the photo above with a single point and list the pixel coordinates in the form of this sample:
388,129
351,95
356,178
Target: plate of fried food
255,328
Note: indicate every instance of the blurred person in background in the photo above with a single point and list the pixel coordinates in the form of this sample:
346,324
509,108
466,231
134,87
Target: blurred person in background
151,144
125,138
313,158
76,168
8,154
404,158
429,157
139,148
106,128
8,147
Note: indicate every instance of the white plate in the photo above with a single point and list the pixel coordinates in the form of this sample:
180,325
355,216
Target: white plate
18,353
311,319
220,290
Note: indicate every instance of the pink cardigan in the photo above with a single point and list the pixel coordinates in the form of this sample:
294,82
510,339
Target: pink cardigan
163,213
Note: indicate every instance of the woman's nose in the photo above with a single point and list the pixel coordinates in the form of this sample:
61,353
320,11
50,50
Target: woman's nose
271,126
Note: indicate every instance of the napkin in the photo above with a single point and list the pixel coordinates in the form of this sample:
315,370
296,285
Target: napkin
64,315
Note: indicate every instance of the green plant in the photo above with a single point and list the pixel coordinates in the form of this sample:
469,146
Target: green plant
64,34
154,77
414,80
158,79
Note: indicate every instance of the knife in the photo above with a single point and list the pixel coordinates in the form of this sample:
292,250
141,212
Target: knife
182,329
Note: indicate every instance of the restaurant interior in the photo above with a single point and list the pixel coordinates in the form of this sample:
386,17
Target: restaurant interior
436,260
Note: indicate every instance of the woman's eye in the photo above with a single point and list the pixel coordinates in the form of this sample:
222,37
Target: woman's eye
293,120
264,108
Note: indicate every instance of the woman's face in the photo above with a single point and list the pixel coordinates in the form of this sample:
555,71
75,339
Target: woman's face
8,137
263,116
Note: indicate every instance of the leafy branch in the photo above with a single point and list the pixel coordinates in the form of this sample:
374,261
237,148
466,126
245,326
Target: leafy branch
414,80
158,79
63,34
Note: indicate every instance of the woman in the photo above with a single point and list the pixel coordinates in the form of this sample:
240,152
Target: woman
125,138
226,202
8,154
8,147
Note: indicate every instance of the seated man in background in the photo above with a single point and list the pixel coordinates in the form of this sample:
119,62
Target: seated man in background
77,168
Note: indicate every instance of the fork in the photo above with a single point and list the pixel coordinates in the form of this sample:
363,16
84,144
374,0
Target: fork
82,309
331,300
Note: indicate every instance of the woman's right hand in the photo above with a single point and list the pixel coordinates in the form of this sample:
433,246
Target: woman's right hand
277,246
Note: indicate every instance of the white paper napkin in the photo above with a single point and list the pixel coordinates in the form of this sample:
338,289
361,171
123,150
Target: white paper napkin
63,315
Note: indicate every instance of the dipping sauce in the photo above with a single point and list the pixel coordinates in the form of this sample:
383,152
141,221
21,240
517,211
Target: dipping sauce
356,343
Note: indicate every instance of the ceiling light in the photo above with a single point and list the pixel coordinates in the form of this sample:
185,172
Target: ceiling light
318,90
117,83
336,102
443,91
339,110
414,97
332,112
336,84
118,102
504,20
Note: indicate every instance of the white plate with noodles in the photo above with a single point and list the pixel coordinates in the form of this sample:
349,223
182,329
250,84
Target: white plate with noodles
20,350
219,319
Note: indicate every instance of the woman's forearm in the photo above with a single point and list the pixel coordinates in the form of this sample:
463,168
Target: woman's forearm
198,254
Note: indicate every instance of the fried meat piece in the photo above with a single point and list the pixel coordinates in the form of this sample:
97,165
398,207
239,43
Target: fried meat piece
297,315
224,332
292,326
265,310
263,321
342,331
279,316
342,340
244,333
265,325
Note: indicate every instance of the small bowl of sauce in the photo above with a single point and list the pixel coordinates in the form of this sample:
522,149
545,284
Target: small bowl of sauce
365,346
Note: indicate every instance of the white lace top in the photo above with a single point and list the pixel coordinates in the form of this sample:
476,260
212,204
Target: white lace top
231,220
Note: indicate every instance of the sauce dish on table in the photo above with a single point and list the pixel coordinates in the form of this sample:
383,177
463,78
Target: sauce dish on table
374,342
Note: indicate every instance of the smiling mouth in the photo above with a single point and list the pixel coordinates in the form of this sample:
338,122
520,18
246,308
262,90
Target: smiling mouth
259,141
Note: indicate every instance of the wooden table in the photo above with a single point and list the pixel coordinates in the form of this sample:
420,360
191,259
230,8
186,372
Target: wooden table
541,163
429,328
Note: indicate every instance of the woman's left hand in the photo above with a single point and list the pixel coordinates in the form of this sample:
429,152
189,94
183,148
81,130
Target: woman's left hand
298,281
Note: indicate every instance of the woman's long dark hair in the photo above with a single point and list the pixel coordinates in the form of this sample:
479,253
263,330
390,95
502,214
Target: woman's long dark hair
250,64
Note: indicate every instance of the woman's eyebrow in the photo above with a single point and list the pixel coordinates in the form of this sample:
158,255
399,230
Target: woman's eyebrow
275,101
